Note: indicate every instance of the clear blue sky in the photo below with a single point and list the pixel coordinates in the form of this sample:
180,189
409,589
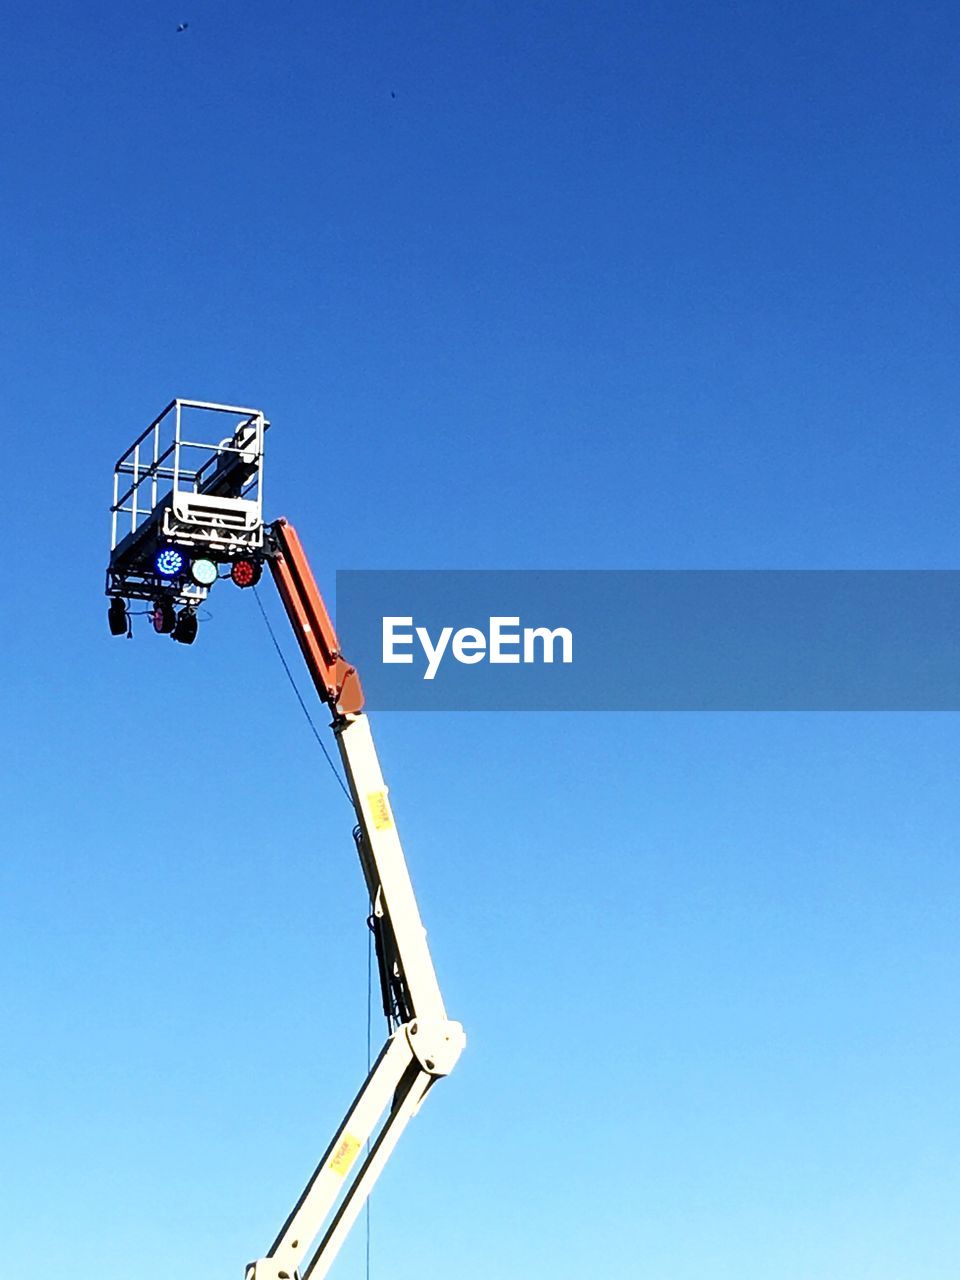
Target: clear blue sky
602,285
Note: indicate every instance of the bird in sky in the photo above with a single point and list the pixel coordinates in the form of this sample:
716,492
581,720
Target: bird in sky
183,26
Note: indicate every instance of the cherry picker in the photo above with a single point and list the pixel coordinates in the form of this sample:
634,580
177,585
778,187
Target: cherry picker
185,513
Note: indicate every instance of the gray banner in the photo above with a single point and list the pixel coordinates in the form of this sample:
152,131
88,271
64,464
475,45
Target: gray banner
763,640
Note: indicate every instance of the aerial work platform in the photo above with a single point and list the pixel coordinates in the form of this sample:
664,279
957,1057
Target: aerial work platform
192,481
184,514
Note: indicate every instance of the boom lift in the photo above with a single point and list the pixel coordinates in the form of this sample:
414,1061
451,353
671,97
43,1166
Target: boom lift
192,523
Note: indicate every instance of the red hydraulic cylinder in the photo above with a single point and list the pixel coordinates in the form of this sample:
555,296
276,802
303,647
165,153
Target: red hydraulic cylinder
336,681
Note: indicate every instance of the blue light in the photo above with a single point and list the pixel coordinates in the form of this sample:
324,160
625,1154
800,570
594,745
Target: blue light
169,562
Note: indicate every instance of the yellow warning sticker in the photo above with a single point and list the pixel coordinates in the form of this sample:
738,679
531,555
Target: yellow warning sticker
345,1154
380,810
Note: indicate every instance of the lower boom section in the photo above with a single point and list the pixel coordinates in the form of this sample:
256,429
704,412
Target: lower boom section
412,1060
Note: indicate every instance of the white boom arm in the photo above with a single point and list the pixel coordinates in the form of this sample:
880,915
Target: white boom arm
423,1046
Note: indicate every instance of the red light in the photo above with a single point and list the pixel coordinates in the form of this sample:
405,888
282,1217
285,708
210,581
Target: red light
246,573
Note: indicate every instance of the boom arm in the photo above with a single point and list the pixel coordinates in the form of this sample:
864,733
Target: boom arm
423,1045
